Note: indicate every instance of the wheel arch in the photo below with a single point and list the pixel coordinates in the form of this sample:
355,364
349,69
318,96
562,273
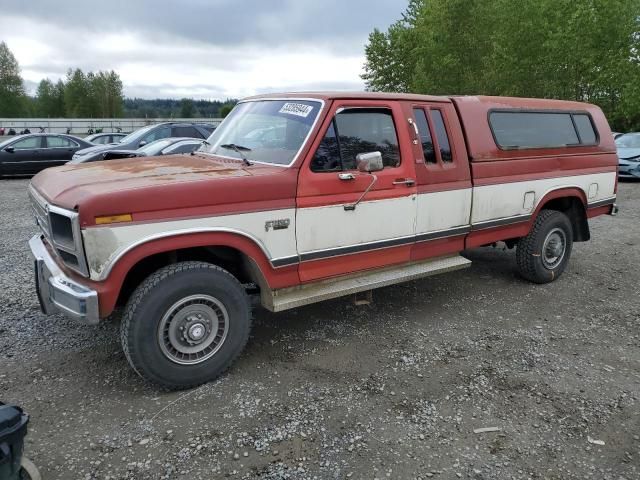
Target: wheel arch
236,253
572,201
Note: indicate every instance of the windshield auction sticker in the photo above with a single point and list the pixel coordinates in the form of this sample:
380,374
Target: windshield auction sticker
298,109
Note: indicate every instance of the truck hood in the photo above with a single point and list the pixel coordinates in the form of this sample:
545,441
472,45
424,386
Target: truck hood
156,184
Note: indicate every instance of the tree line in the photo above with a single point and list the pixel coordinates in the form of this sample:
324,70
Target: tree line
89,95
584,50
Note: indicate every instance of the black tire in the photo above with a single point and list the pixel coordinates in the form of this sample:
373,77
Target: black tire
172,297
537,249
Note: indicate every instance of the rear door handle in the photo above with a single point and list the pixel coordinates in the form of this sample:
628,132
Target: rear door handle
409,182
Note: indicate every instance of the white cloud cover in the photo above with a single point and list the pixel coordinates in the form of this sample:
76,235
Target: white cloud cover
246,50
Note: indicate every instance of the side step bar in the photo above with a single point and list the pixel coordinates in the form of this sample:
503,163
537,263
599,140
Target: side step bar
286,298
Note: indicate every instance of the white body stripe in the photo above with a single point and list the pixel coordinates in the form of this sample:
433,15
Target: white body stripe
491,202
330,227
321,228
439,211
105,244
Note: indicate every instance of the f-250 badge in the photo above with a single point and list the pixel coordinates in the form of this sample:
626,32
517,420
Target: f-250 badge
277,224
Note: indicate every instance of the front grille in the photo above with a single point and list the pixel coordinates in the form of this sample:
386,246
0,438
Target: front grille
39,207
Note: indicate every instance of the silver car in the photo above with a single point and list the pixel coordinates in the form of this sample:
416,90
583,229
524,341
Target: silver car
628,146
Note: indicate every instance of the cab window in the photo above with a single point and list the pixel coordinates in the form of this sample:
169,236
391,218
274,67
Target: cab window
441,135
425,135
354,131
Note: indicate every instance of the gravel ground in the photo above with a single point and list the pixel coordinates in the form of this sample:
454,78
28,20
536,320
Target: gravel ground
391,390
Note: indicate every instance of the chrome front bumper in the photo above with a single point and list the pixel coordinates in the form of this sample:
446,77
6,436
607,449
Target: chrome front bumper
58,293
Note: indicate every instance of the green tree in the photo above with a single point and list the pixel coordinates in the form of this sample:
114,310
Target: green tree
45,98
226,109
186,108
584,50
12,93
76,94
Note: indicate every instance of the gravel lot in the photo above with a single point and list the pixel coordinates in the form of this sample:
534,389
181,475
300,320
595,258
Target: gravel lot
391,390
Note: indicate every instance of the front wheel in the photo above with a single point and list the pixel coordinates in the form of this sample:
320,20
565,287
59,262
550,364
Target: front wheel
185,324
544,253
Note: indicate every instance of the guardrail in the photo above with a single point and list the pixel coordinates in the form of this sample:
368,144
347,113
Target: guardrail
82,126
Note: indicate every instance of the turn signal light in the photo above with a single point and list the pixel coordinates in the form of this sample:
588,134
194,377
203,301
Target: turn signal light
125,217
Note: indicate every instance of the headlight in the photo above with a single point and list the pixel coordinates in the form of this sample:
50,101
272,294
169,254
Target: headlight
61,228
66,238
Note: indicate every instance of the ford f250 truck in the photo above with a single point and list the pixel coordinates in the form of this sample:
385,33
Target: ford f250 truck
307,197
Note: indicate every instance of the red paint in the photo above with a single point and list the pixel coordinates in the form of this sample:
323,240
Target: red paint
594,212
345,264
437,248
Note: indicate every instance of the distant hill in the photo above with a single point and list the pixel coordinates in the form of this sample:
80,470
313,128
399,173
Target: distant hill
167,108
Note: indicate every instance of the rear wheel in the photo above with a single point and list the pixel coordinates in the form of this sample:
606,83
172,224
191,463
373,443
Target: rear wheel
544,253
185,324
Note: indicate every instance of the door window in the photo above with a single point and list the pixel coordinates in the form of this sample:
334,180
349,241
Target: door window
27,143
441,135
186,131
59,142
354,131
157,134
425,135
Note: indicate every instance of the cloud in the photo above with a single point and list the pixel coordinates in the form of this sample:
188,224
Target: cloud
199,48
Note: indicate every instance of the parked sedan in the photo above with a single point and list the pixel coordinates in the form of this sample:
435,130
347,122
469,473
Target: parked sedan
146,135
628,146
104,138
164,146
28,154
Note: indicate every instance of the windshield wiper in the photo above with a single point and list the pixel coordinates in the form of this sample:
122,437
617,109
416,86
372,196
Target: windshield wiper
239,149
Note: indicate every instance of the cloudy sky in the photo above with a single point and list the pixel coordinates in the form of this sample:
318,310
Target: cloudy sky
212,49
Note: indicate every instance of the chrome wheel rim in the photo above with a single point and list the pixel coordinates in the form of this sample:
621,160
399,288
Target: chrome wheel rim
554,248
193,329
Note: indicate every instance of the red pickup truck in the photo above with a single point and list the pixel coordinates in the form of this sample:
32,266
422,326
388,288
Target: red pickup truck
307,197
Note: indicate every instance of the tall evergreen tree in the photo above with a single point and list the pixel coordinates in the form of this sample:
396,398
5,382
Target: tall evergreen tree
12,93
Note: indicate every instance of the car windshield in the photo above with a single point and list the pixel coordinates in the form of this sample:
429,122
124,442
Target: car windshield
134,136
629,140
267,131
155,147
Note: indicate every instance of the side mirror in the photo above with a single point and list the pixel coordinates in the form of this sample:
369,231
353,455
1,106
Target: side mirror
142,143
9,149
369,162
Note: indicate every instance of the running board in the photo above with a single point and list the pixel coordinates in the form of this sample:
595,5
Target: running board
286,298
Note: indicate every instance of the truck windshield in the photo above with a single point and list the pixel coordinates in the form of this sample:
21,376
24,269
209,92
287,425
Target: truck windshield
264,131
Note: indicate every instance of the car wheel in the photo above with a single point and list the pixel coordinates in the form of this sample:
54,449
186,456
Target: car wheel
185,324
544,253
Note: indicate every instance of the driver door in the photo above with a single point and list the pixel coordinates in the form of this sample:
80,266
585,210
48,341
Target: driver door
333,238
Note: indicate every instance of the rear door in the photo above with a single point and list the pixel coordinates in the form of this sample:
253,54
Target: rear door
59,150
333,237
443,181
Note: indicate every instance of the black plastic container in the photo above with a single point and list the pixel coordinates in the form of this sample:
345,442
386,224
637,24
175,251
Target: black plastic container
13,428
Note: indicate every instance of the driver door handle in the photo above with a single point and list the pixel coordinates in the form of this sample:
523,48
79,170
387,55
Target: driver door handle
409,182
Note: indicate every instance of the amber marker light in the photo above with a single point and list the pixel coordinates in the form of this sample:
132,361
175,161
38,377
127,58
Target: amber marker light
124,217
